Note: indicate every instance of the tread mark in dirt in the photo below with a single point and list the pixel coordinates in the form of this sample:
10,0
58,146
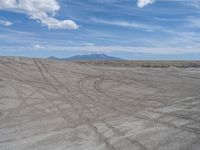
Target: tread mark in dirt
116,131
87,120
144,117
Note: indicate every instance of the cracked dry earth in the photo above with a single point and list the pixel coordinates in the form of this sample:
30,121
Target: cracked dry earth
52,105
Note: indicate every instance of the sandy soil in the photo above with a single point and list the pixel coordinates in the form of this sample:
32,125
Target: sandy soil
52,105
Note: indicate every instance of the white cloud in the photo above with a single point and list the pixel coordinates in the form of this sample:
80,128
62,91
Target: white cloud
193,22
142,3
41,10
37,46
5,23
166,49
194,3
127,24
90,44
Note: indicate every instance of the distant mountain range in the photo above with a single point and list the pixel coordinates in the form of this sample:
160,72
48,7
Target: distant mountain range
90,57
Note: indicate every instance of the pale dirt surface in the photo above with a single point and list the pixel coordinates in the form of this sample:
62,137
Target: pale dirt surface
52,105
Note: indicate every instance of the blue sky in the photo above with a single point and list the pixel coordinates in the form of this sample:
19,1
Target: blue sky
146,29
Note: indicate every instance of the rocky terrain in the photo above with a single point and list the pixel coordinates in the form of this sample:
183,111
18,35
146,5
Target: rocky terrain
56,105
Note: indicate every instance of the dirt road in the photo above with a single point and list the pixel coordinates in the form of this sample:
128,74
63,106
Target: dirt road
54,105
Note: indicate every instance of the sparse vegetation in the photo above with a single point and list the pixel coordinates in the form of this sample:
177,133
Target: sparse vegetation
146,64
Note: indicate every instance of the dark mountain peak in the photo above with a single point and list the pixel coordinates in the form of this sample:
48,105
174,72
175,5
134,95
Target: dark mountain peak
93,57
89,57
52,57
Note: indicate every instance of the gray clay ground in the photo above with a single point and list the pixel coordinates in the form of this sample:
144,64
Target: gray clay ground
52,105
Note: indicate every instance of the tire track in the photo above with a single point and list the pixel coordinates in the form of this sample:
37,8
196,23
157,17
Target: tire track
83,117
62,96
182,127
130,112
81,100
115,130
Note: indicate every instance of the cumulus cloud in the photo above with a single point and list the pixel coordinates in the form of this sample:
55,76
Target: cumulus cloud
5,23
142,3
42,10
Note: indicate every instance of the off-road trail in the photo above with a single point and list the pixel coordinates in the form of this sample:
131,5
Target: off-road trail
55,105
